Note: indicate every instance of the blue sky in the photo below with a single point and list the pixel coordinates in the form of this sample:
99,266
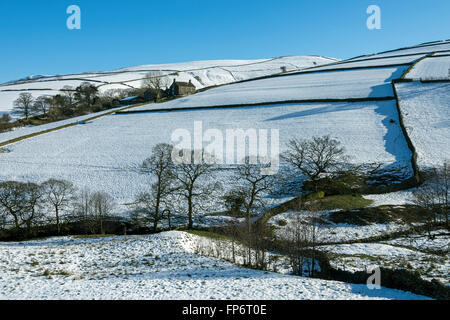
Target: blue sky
114,34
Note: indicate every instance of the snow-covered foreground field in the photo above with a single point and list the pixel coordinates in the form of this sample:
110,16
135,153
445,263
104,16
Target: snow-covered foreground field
201,73
99,154
426,112
161,266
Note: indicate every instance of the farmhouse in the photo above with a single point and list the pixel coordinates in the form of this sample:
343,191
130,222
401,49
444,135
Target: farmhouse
181,88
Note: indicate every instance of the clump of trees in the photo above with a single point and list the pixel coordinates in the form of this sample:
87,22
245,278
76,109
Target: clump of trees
71,102
154,85
5,123
174,186
26,207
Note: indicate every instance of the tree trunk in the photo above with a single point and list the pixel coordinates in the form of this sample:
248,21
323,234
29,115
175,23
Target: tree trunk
57,219
190,209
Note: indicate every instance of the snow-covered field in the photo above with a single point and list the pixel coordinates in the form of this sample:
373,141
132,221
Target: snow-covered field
426,112
365,83
27,130
99,154
393,198
420,49
370,62
201,73
433,68
156,267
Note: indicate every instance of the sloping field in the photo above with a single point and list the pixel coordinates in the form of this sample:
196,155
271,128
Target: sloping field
353,84
420,49
426,114
369,62
201,73
99,153
161,266
433,68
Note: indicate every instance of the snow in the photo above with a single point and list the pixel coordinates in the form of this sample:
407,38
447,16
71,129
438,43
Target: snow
201,73
366,83
361,256
421,49
393,198
440,242
370,249
101,152
426,112
23,131
369,63
331,232
152,267
433,68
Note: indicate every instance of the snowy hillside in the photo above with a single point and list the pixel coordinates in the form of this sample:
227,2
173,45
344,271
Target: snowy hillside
201,73
162,266
355,104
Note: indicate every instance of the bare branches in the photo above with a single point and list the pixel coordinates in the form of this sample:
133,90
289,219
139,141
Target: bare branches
156,82
160,168
433,196
188,175
59,194
23,105
315,157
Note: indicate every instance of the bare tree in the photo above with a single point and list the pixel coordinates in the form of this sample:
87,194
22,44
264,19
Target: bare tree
160,168
315,157
59,194
83,210
314,232
190,187
253,188
23,105
156,82
21,201
5,122
298,242
103,205
42,105
85,95
69,94
433,195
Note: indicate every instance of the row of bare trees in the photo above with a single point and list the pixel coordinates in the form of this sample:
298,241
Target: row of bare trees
25,206
250,189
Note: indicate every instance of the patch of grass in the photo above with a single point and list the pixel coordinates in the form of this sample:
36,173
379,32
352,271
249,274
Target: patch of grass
229,214
282,223
344,202
381,214
207,234
94,236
